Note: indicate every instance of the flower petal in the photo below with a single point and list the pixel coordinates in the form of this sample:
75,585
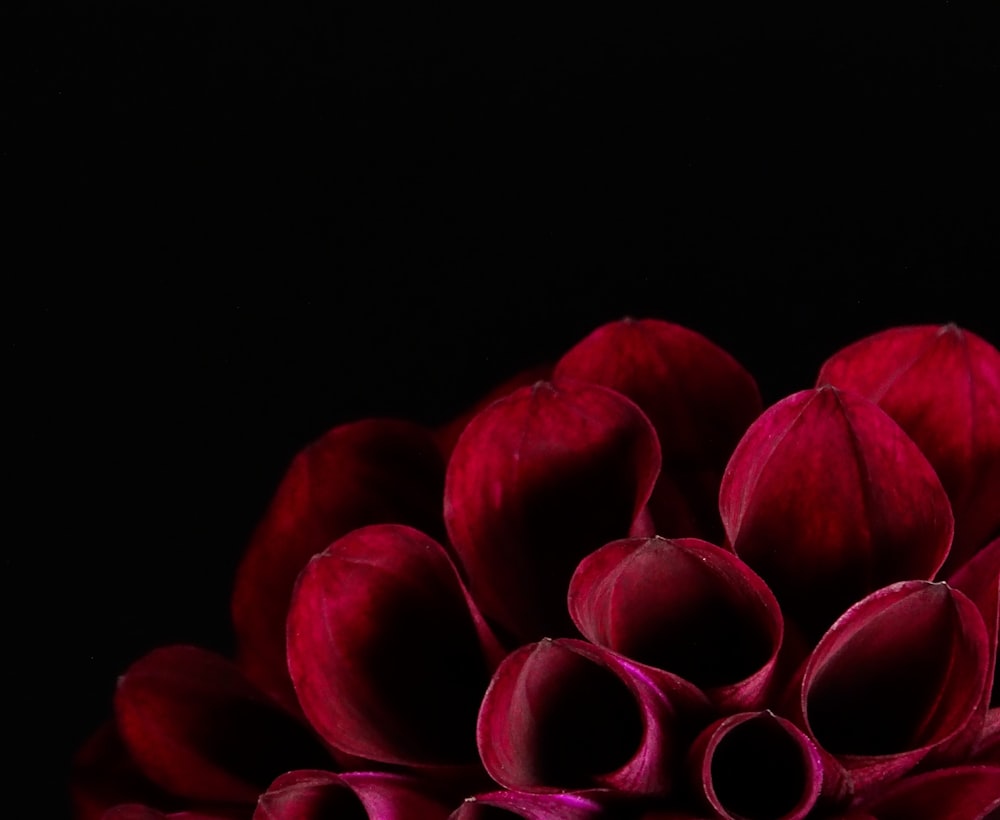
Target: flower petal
566,714
963,793
318,795
137,811
200,730
538,480
942,386
587,805
828,499
898,675
698,397
756,765
388,654
979,578
371,472
684,606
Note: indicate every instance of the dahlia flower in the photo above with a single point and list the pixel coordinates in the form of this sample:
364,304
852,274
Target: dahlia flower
619,587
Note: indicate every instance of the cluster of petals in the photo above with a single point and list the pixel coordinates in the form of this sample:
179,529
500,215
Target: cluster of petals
619,587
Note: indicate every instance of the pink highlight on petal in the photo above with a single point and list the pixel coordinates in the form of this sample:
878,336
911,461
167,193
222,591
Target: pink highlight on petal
586,805
684,606
565,714
941,384
756,766
699,399
387,652
962,793
538,480
828,499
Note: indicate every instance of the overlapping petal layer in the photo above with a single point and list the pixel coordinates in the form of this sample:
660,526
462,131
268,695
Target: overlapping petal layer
962,793
589,805
388,654
899,674
370,472
199,729
565,714
320,795
828,499
698,397
538,480
942,385
756,766
684,606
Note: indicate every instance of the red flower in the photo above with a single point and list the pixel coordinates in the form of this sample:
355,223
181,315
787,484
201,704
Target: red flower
623,592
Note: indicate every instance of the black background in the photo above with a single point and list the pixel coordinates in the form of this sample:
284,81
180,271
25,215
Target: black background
237,226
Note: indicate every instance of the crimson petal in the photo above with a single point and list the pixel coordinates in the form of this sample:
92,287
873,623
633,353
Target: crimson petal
899,674
199,729
979,578
698,397
370,472
828,499
684,606
963,793
318,795
589,805
388,654
942,385
756,766
538,480
565,714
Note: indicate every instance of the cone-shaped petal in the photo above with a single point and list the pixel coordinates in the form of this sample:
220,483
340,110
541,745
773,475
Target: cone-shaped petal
388,654
319,795
942,385
199,729
370,472
684,606
962,793
828,499
698,397
589,805
538,480
899,674
756,766
566,714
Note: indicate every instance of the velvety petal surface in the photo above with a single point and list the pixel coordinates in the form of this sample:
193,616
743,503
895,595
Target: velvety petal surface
979,578
942,385
684,606
501,805
370,472
698,397
899,674
828,499
199,729
962,793
388,654
538,480
320,795
756,766
565,714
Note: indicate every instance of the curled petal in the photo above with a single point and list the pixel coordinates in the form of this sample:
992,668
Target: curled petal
979,578
199,729
897,676
566,714
538,480
987,748
963,792
828,499
684,606
698,397
370,472
588,805
388,654
318,795
942,386
756,765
